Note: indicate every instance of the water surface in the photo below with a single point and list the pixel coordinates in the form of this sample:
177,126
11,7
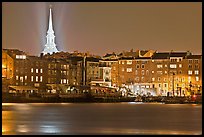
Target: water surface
101,118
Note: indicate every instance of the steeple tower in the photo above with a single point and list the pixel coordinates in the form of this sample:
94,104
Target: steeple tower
50,46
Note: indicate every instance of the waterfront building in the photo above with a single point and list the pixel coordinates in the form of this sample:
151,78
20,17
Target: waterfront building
7,70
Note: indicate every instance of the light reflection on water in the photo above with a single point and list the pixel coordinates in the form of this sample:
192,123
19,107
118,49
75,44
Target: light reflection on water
101,118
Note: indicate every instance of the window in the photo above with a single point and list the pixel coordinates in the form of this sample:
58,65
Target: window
21,79
172,65
190,61
180,65
142,72
40,78
190,66
129,69
137,79
159,72
165,65
196,60
197,78
153,79
31,78
147,72
137,66
142,79
129,62
36,70
165,79
123,62
165,72
36,78
41,71
158,78
31,70
152,72
136,72
16,77
196,66
159,66
190,72
165,85
113,68
180,72
143,66
25,77
64,81
123,69
196,72
189,79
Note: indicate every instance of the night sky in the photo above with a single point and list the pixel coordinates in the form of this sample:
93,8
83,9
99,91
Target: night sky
102,28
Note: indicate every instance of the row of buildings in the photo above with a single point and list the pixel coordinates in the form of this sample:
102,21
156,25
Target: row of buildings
142,71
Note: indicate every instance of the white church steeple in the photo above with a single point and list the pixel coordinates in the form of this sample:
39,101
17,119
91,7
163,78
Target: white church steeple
50,46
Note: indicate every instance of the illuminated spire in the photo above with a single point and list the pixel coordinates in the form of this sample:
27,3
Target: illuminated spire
50,46
50,23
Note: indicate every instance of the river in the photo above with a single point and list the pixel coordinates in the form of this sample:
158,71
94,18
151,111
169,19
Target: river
101,119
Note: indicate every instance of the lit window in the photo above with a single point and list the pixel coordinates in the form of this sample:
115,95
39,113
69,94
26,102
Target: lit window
165,65
152,72
172,65
23,56
196,72
123,62
159,66
142,72
36,78
147,72
165,72
21,79
129,62
40,78
189,79
41,71
64,81
129,69
25,77
67,81
16,77
31,70
123,69
31,78
180,65
17,56
153,79
197,78
36,70
190,72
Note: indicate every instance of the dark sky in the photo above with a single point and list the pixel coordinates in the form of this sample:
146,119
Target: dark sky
104,27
